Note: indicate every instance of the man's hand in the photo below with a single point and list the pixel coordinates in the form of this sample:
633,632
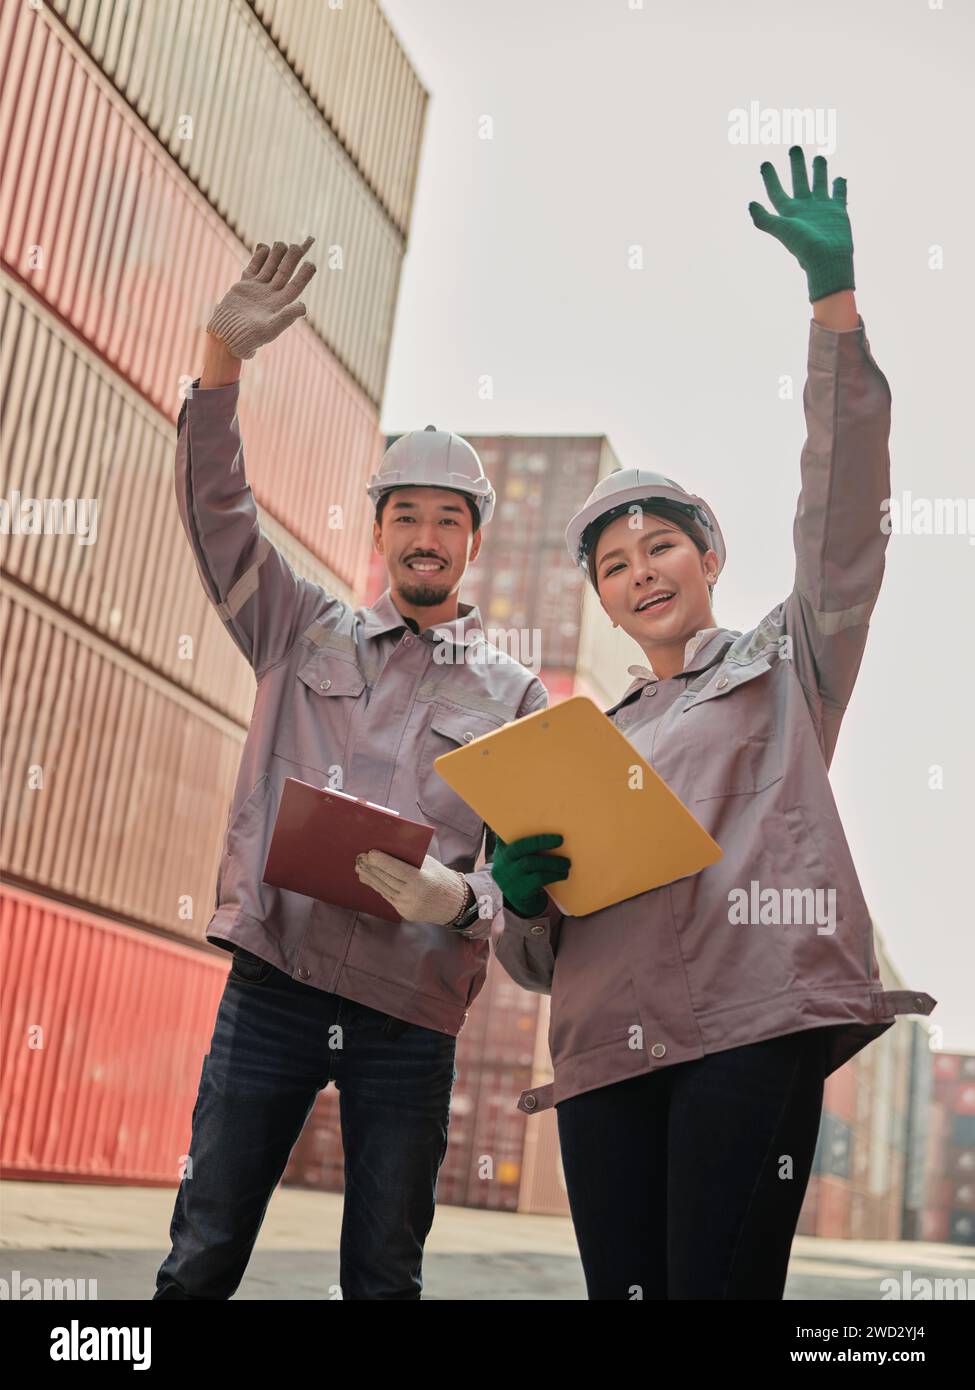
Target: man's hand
431,893
814,226
261,304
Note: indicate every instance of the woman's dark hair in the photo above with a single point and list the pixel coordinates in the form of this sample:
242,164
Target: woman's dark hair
677,513
472,505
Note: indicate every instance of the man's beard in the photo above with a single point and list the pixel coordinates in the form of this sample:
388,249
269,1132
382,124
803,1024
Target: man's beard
425,593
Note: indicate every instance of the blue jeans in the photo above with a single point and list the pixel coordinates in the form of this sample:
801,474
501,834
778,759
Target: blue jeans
687,1182
276,1043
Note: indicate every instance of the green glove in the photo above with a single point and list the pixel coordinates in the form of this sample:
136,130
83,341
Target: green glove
520,870
813,226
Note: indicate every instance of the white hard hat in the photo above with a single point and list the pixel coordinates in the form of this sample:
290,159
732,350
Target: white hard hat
626,486
434,458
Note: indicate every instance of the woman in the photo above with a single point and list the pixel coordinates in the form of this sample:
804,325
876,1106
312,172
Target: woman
692,1026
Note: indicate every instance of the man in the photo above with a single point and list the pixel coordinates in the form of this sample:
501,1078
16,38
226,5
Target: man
363,702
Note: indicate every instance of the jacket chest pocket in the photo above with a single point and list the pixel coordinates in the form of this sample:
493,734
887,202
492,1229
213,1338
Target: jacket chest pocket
315,724
448,730
734,744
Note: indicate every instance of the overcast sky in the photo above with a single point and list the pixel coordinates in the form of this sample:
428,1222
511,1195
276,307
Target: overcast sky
611,129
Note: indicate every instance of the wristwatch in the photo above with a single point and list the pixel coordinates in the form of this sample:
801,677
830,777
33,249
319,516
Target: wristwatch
469,913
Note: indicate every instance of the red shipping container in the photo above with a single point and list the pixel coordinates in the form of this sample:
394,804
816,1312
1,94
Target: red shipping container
839,1095
103,1031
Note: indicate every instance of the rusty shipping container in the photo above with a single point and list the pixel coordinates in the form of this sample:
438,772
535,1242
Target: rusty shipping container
72,429
103,1030
210,86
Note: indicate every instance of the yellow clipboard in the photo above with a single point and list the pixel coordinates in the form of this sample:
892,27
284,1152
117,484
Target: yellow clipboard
569,771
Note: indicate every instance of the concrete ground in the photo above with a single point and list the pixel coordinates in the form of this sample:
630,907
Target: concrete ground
118,1236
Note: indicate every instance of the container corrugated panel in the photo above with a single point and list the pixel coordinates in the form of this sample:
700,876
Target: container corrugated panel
494,1177
357,73
557,610
543,1191
99,220
116,784
71,426
103,1030
211,85
512,1021
501,1024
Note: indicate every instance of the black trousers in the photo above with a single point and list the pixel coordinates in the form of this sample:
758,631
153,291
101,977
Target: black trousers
687,1182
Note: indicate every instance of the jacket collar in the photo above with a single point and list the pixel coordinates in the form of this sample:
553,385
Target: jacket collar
706,648
384,616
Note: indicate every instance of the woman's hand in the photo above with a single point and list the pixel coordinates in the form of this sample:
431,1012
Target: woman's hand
811,224
520,870
261,304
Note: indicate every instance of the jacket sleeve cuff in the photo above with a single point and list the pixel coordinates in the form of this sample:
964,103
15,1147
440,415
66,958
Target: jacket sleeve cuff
487,895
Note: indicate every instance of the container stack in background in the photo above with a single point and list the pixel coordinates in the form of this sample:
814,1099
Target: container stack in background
523,578
147,149
871,1175
949,1213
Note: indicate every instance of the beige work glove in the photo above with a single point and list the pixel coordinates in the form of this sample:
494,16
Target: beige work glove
431,893
261,304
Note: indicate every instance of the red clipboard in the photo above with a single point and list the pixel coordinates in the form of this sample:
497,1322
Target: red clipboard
317,835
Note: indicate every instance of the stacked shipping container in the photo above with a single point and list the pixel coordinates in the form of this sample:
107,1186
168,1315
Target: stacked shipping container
869,1163
949,1212
523,578
136,139
146,150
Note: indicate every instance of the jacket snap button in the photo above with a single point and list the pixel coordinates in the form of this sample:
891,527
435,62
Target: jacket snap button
303,972
468,737
324,685
649,690
658,1050
721,683
529,1102
537,931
